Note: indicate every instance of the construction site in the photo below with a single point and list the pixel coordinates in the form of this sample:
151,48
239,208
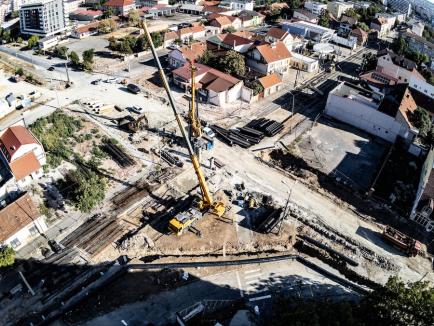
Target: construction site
203,218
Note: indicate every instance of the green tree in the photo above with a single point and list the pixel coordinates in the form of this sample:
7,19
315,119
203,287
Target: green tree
75,59
107,25
107,13
351,12
208,58
88,55
324,19
112,43
363,26
125,47
19,40
256,86
421,120
231,29
61,52
157,39
7,256
399,46
233,63
32,41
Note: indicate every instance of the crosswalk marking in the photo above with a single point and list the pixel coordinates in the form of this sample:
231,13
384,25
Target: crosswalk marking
260,298
251,281
252,271
239,284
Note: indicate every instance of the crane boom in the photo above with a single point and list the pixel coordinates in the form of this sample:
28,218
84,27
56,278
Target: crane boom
196,129
207,200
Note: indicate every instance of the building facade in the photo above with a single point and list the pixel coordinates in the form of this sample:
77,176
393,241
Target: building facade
337,9
315,7
43,18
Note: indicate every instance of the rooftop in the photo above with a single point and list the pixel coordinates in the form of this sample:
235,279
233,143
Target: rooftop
274,52
357,94
399,60
13,138
277,33
119,3
17,215
270,80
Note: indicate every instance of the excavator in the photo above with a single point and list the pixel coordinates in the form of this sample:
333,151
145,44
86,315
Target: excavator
179,224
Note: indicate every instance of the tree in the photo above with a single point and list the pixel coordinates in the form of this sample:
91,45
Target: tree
125,47
88,55
421,120
75,59
7,256
19,40
324,19
233,63
208,58
133,17
363,26
112,43
107,25
230,29
157,39
107,13
32,41
369,61
256,86
399,46
61,52
351,12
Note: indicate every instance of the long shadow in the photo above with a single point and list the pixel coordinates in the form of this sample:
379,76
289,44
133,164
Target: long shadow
71,290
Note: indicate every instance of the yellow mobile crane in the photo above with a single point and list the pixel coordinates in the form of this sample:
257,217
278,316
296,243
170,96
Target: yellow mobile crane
207,203
196,128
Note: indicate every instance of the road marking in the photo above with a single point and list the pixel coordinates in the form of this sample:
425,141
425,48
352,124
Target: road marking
252,276
261,298
124,322
239,284
252,271
262,290
252,281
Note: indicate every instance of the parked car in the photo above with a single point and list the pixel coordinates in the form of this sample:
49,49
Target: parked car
96,82
35,94
118,108
136,109
51,68
110,80
133,88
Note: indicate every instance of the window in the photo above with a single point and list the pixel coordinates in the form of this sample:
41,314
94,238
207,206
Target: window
33,230
15,243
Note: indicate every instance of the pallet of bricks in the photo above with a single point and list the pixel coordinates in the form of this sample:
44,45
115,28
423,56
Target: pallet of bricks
249,135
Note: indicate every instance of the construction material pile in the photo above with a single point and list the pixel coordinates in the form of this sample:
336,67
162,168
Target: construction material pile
249,135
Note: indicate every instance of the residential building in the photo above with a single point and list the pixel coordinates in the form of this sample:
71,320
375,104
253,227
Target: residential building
360,35
269,58
152,3
237,4
382,26
16,5
309,31
71,5
48,42
418,28
419,44
360,4
83,31
251,18
396,66
179,57
4,9
275,34
337,9
303,62
272,83
120,7
158,11
192,9
384,116
389,18
184,34
43,18
402,6
349,42
22,153
224,22
220,44
20,222
315,7
85,14
214,86
305,15
346,24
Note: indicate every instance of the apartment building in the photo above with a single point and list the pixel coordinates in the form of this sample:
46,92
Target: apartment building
337,9
315,7
43,18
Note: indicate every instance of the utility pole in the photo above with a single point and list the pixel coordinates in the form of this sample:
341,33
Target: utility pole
67,73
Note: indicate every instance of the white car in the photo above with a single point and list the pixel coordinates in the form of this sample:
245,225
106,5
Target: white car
110,80
136,109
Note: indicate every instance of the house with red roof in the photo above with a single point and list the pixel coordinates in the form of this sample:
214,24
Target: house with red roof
179,57
269,58
224,22
184,34
220,44
22,153
83,14
120,7
213,86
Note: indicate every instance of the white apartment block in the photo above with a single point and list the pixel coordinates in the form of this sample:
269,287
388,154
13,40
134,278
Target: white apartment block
43,18
237,4
315,7
337,9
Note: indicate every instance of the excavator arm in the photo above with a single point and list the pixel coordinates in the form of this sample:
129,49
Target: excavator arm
217,208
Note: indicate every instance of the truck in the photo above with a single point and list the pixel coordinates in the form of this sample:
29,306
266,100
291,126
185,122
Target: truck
184,220
403,242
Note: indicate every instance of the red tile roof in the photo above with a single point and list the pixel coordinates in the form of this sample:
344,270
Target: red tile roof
270,80
277,33
17,215
24,166
272,53
87,12
87,27
193,51
222,21
118,3
233,40
14,137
